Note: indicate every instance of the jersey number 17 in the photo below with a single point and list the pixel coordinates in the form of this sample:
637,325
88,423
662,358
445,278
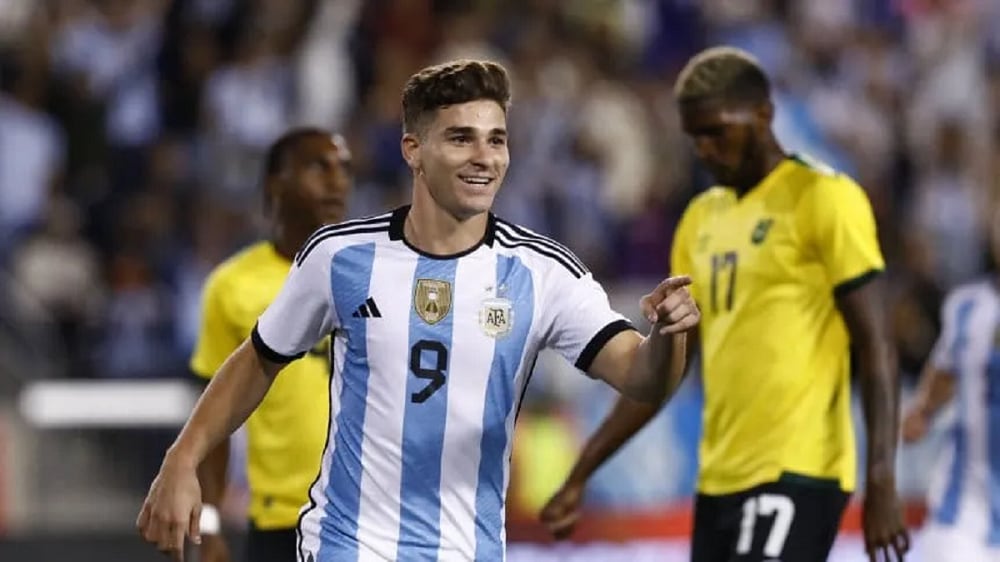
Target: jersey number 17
723,272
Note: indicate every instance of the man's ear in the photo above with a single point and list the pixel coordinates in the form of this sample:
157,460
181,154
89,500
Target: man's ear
410,145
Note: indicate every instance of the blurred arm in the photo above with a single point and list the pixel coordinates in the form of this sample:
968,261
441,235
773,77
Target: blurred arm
863,313
232,395
937,388
629,416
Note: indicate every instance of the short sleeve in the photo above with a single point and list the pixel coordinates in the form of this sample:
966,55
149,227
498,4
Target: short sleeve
218,335
954,328
580,318
839,221
301,315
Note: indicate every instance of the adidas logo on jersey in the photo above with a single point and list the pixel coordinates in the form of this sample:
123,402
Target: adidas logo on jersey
367,310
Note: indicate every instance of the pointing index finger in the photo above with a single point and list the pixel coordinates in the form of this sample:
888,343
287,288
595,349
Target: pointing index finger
676,282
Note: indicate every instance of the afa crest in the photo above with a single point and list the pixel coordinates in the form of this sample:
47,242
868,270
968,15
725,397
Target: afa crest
432,299
496,317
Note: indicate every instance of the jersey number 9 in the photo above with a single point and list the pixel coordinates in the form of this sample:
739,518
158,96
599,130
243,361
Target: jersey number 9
435,374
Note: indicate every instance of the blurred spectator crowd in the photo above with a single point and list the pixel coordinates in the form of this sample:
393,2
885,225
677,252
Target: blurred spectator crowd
131,134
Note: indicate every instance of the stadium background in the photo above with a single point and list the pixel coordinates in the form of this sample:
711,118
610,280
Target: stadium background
131,133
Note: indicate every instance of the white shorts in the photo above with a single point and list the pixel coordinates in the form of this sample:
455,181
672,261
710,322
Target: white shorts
951,543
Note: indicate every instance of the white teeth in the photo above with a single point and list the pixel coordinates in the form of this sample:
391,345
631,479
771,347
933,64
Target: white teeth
477,181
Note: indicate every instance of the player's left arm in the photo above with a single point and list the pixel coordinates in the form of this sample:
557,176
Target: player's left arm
583,328
842,228
649,370
627,417
864,316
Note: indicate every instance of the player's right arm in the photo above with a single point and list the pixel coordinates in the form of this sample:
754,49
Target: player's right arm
218,336
298,318
627,416
937,382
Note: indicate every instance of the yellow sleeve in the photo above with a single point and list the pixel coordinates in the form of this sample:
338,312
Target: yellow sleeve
841,225
680,250
218,336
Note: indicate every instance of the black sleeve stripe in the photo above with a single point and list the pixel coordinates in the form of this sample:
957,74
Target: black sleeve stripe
330,228
849,285
514,231
266,352
565,257
572,268
596,343
347,224
525,233
317,240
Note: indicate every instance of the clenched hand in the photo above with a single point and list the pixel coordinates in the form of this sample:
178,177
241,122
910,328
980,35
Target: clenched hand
172,509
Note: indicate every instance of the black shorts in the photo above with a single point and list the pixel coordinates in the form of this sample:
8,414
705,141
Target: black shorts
793,520
276,545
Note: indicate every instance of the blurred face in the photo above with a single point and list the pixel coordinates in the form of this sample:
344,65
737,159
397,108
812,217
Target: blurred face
313,188
726,138
461,157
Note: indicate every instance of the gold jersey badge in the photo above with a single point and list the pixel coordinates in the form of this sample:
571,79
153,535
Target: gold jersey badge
432,299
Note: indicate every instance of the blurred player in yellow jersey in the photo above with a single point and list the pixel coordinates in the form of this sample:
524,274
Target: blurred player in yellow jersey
785,261
307,182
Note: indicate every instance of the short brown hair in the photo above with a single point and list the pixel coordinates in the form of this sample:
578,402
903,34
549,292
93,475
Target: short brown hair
724,73
451,83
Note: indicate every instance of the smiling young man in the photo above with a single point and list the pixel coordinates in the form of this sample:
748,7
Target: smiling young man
438,311
785,260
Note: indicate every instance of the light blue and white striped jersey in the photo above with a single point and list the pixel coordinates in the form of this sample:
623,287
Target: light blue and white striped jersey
965,490
431,356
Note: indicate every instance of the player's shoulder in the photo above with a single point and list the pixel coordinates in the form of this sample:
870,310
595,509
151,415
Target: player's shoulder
808,164
813,175
715,198
537,250
818,188
328,239
715,195
244,262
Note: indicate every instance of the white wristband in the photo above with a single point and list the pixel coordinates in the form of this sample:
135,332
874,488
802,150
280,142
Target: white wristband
209,523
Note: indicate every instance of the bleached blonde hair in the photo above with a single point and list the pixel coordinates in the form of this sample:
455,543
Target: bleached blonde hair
722,72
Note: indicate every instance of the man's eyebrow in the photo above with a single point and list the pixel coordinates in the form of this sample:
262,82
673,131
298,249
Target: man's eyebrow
466,130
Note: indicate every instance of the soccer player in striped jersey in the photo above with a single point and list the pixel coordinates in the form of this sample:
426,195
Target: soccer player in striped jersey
785,260
964,516
438,311
306,183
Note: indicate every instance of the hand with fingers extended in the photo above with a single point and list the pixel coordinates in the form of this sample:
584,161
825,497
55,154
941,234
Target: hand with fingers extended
670,306
172,509
562,511
886,537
